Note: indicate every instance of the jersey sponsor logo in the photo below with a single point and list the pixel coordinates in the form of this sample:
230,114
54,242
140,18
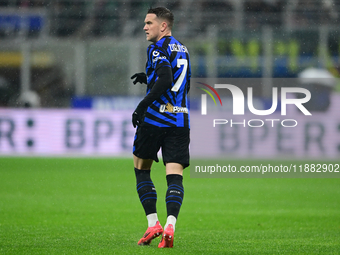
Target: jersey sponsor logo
172,109
158,58
178,48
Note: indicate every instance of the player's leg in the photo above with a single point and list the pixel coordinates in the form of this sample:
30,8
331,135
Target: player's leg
144,155
142,164
148,198
176,158
146,189
175,192
174,198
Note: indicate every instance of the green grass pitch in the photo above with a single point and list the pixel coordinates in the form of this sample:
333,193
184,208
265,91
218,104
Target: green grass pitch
90,206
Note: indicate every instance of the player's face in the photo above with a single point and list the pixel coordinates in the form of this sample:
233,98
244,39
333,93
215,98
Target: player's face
152,27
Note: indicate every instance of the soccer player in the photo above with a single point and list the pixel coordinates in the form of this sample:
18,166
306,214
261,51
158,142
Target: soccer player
162,120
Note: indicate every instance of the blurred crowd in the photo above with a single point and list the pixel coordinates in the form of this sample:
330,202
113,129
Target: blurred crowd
123,17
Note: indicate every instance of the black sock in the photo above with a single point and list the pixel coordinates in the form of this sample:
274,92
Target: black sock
146,191
174,194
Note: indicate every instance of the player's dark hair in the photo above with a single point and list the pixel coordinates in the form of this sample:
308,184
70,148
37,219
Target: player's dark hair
163,13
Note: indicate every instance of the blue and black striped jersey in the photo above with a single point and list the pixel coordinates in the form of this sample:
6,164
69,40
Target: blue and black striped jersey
171,109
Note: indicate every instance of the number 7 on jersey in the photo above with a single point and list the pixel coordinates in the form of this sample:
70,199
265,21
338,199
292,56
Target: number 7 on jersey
184,63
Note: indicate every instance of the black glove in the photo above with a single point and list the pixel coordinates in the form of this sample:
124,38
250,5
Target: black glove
137,116
140,77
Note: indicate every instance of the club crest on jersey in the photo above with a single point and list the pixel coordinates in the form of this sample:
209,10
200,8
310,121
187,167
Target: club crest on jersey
172,109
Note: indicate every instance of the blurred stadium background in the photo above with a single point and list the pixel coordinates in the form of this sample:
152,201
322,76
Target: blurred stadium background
65,90
80,54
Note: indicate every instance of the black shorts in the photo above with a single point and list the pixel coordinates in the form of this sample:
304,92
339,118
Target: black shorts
174,142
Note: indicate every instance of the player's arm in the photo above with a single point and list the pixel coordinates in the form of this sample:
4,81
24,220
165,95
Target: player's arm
163,83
